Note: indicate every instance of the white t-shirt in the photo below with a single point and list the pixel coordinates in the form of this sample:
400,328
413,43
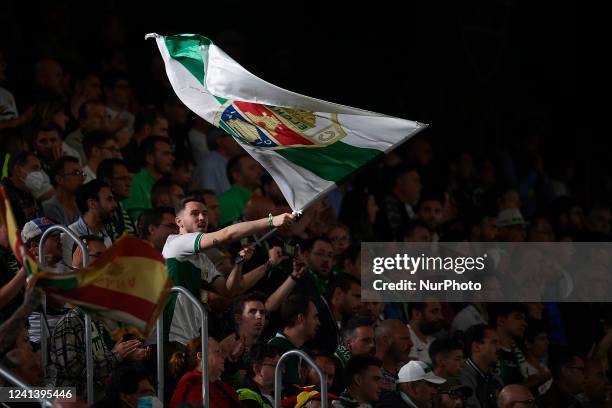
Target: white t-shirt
183,258
420,349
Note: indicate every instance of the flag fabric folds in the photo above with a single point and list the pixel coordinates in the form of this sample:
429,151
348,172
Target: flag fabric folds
307,145
129,283
14,235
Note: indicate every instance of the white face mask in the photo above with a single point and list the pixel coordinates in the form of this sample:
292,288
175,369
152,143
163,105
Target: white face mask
38,183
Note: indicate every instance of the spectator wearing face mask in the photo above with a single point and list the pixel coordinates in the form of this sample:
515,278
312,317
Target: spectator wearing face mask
128,386
25,184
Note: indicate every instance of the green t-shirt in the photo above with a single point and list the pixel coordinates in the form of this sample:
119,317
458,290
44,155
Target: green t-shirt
231,204
140,194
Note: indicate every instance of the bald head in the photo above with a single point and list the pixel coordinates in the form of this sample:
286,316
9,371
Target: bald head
388,327
513,393
258,207
393,341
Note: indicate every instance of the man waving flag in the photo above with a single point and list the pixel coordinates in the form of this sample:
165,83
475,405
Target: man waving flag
306,144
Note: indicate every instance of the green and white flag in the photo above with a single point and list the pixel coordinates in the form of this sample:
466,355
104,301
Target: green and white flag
306,144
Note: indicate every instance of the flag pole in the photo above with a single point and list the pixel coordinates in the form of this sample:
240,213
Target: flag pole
273,230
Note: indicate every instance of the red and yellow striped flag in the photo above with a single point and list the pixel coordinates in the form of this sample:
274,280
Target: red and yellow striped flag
8,219
129,283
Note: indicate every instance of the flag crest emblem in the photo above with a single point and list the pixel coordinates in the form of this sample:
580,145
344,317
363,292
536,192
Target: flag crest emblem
273,127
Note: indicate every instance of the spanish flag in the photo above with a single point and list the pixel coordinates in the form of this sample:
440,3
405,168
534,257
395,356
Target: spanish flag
129,283
8,219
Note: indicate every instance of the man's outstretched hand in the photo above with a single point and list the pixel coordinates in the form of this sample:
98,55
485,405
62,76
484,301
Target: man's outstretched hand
283,219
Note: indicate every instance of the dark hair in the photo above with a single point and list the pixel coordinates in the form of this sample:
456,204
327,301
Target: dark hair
342,281
106,168
186,360
85,105
560,358
310,243
411,227
124,380
295,305
20,158
234,165
147,146
348,330
146,116
95,138
248,297
358,364
201,192
58,166
444,346
88,191
534,329
188,199
151,216
412,306
161,187
258,354
474,334
504,309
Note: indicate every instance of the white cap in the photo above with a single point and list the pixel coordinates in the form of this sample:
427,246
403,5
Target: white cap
416,371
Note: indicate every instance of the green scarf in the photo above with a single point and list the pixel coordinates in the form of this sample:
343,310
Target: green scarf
343,354
346,401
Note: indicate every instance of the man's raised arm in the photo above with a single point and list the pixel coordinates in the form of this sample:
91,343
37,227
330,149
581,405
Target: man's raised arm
235,232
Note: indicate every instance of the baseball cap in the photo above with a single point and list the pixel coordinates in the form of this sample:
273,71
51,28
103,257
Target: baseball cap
35,228
510,217
453,386
416,371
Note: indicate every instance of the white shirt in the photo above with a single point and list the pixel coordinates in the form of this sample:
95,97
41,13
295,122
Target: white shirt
89,174
8,107
420,349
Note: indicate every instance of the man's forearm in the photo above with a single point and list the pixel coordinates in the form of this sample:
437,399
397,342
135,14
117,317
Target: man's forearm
250,279
275,299
234,232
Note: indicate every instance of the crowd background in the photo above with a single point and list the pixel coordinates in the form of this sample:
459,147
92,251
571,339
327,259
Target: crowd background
93,137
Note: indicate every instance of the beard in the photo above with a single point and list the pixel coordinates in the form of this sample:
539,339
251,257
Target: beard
429,328
107,217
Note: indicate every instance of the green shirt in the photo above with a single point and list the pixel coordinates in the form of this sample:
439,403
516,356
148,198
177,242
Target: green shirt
292,364
231,204
140,194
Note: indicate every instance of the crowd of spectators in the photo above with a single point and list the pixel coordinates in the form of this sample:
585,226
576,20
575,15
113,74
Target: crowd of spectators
81,148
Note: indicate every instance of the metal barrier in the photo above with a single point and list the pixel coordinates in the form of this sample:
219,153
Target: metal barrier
9,376
43,331
278,377
204,334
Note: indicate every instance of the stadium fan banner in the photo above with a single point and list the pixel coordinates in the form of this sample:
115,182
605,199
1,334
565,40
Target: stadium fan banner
486,271
307,145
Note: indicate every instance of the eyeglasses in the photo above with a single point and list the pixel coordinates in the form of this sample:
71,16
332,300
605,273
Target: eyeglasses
72,173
